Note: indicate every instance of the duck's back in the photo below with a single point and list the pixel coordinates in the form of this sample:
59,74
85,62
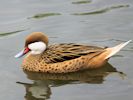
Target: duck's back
68,51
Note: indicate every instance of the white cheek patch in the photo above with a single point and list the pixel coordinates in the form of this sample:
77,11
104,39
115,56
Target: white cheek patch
35,52
37,47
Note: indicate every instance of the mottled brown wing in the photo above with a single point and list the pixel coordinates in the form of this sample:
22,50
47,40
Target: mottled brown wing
62,52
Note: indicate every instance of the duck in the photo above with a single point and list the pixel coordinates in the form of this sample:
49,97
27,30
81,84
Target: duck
63,57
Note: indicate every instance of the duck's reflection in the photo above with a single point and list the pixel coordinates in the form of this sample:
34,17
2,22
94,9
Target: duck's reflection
40,89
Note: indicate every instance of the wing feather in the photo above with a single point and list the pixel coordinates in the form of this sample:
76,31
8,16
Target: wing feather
67,51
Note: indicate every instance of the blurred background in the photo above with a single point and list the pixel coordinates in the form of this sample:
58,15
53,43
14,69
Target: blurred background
92,22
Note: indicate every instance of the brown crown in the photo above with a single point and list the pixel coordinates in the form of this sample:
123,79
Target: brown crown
36,37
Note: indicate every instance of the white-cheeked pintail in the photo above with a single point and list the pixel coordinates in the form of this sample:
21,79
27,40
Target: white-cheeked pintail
64,57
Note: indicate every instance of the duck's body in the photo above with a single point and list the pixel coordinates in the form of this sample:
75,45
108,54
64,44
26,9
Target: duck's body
64,58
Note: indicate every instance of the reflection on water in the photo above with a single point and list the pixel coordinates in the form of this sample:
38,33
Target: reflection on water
42,15
82,2
104,10
39,90
10,33
42,82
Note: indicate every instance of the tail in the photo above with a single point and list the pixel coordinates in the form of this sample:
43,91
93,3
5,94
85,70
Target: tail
114,50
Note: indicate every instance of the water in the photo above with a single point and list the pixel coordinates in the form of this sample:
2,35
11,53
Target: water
98,22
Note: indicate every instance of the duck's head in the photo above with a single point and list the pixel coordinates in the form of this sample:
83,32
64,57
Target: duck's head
35,43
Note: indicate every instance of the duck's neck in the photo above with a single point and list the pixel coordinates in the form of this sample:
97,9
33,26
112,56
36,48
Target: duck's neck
31,62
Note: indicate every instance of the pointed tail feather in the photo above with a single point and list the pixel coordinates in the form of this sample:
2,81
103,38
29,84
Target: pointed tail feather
116,49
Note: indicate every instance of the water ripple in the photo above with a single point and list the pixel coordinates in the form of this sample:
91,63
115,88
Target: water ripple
42,15
104,10
82,2
115,40
10,33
